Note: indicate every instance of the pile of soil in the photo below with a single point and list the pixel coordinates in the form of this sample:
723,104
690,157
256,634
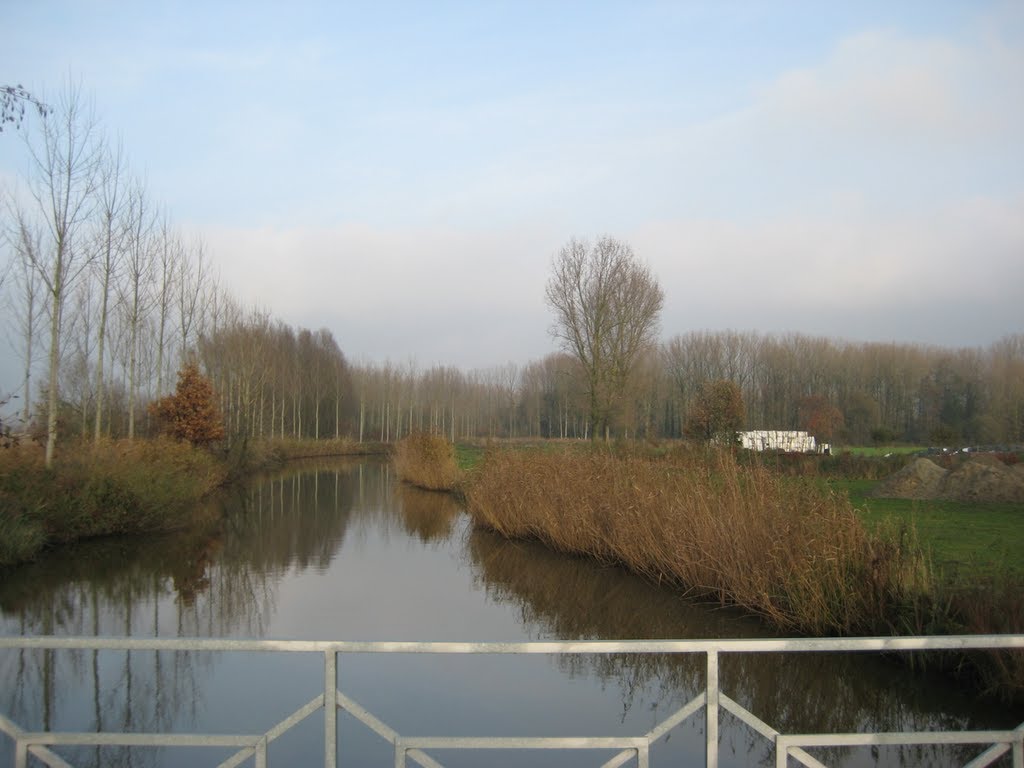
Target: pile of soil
921,479
980,478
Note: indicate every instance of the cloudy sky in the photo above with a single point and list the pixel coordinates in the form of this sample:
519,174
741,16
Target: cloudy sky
403,173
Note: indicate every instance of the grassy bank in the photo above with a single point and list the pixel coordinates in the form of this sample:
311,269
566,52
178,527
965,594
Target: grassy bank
95,490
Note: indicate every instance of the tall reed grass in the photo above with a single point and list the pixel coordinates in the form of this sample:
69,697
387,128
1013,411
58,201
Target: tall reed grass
784,548
427,461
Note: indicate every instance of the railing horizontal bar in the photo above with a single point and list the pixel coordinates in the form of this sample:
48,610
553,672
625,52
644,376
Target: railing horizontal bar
675,719
521,742
895,739
764,645
109,739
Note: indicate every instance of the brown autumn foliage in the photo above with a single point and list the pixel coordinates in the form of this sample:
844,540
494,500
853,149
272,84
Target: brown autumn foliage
191,413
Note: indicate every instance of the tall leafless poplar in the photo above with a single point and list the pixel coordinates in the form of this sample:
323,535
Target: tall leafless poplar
65,161
168,260
137,285
112,203
27,240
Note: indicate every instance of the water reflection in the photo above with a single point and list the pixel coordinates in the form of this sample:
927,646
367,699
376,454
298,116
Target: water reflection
341,550
572,598
427,515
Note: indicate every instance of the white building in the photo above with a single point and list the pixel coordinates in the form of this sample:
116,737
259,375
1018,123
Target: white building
785,440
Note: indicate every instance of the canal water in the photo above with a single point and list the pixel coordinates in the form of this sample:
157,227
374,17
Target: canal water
342,551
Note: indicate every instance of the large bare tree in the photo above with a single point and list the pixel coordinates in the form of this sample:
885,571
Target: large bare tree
607,307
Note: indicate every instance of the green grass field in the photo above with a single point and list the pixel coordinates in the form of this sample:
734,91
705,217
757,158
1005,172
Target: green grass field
968,542
880,450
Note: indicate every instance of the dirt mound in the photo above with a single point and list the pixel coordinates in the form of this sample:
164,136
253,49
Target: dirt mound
921,479
983,478
979,478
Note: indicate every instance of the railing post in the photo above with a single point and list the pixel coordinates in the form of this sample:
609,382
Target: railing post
330,708
711,711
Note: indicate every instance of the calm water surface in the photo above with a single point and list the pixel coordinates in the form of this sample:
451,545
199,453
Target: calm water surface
341,551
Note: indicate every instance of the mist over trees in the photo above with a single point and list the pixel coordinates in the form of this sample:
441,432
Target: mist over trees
105,300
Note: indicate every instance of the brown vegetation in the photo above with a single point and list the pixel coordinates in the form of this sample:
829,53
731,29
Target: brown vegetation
783,548
191,413
427,461
97,490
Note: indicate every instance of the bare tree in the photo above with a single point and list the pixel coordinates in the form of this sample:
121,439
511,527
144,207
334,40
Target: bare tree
27,238
111,194
170,256
607,306
137,297
65,162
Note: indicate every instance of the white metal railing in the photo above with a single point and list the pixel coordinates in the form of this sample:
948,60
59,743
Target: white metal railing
712,700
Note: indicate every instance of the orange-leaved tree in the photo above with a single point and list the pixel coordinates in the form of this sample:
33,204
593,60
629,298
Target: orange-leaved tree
191,413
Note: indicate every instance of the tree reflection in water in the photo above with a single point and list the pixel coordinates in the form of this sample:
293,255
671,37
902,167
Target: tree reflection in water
216,581
570,598
290,527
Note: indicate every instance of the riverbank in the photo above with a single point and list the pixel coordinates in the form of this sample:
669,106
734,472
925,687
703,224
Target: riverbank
778,544
143,486
112,487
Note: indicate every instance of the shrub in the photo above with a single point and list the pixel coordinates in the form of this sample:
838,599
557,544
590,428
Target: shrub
427,461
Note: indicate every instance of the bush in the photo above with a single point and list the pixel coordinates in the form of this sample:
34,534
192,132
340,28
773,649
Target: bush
427,461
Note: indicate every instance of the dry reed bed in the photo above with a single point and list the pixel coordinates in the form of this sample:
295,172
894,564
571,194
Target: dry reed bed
427,461
782,548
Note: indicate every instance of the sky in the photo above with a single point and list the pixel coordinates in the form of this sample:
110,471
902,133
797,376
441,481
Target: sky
403,173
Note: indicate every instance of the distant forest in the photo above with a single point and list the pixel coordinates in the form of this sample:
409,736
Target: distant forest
106,300
276,381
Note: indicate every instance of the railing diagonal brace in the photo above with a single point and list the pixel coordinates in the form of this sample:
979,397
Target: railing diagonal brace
746,716
670,722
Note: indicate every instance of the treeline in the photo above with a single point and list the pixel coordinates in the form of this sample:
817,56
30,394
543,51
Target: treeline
847,392
107,300
106,297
